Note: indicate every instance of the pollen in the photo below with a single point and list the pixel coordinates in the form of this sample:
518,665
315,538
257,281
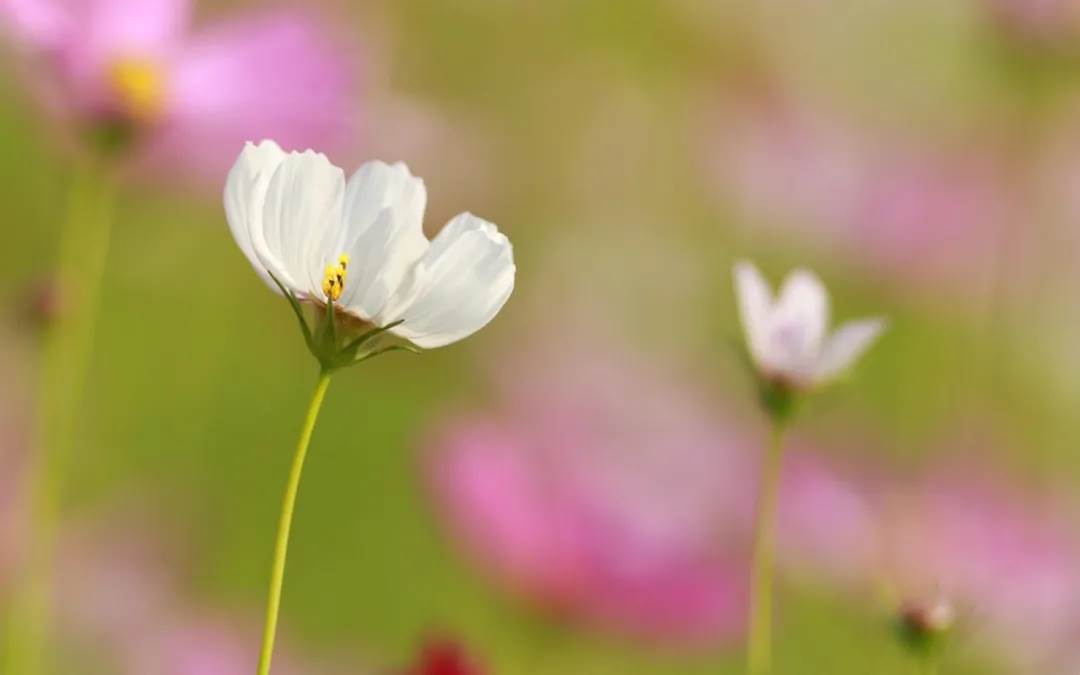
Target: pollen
334,279
139,86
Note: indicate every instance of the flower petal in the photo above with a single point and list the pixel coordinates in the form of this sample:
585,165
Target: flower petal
245,194
846,345
797,325
273,75
459,285
754,299
125,28
383,234
39,24
302,212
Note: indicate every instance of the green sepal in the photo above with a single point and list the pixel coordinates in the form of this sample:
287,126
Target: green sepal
323,342
299,312
779,399
924,642
392,348
349,350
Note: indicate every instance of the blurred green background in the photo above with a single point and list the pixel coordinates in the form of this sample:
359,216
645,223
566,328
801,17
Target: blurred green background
581,128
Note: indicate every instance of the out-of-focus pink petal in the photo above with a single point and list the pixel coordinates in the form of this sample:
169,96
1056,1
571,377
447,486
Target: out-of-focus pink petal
277,75
605,491
1008,559
914,211
501,511
827,525
37,24
103,33
1037,20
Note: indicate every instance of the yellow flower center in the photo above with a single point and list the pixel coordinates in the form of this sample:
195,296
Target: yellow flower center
140,86
334,278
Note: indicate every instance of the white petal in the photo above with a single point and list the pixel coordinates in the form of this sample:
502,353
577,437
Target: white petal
459,285
846,345
797,325
383,234
754,299
302,213
245,194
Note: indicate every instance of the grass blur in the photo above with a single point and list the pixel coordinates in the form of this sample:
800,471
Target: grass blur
587,121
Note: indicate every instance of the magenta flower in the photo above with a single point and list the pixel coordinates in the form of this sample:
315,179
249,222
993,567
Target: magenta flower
1005,564
827,521
919,212
603,492
1036,20
134,71
1009,562
122,609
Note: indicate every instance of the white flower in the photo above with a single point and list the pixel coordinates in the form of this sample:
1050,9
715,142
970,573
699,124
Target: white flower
360,244
787,337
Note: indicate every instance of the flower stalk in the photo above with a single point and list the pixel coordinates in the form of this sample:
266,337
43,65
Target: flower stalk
288,504
65,356
364,239
759,645
792,353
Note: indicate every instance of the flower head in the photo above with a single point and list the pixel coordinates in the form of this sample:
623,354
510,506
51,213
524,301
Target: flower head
892,207
135,74
358,246
604,492
787,336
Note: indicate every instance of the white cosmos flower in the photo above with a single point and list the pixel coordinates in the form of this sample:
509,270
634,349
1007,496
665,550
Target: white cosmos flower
787,336
361,244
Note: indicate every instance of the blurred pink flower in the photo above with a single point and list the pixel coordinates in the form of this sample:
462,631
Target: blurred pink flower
1038,20
603,490
120,608
827,523
916,211
134,67
1009,562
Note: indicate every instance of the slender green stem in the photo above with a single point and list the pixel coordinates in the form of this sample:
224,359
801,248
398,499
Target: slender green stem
65,355
281,549
759,649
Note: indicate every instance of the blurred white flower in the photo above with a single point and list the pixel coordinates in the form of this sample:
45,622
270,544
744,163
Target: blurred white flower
786,336
360,244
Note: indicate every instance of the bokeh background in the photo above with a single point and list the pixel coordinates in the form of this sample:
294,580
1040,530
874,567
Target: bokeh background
921,156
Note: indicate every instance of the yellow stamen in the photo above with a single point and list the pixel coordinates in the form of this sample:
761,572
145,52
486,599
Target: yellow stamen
140,86
334,279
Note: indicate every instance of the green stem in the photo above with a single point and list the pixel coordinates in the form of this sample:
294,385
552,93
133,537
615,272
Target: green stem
759,650
80,268
281,549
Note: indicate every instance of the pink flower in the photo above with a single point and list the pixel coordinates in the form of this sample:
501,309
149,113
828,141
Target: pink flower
827,521
1038,20
122,610
917,211
603,490
1010,562
134,70
1006,563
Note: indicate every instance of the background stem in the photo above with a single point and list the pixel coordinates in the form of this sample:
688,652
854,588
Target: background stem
281,549
65,355
759,648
